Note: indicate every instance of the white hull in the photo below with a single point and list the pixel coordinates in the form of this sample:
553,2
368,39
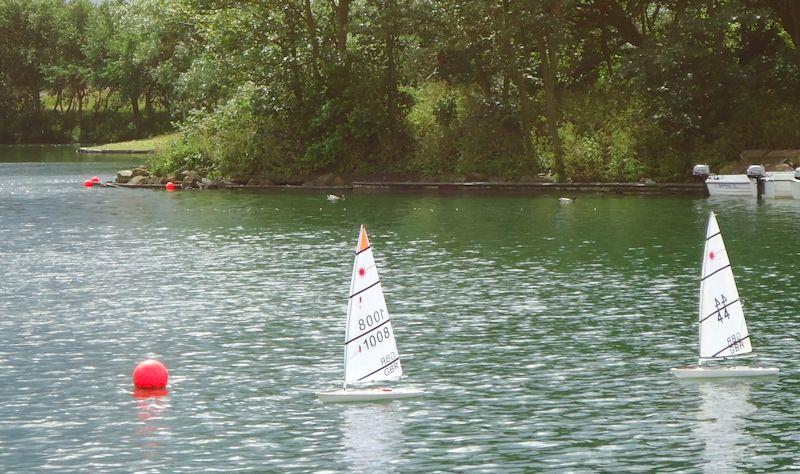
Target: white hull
720,372
369,394
796,189
731,185
779,185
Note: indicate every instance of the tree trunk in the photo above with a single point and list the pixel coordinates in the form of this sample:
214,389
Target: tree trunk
514,74
137,119
612,12
341,13
548,52
339,82
484,79
98,101
81,94
311,24
148,104
297,82
392,93
526,107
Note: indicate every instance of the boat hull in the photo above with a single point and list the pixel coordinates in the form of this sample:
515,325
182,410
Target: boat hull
731,185
369,395
722,372
779,185
796,189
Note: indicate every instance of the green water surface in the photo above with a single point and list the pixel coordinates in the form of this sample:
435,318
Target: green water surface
544,333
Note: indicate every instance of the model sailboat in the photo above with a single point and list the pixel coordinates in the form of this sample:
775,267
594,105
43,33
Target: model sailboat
370,351
723,330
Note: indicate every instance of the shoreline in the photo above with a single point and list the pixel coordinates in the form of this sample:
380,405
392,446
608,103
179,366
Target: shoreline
363,187
103,151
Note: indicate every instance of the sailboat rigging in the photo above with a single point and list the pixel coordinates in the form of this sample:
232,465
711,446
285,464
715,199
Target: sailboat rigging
370,349
722,328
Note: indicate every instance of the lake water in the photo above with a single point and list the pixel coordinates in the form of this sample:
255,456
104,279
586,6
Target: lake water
544,333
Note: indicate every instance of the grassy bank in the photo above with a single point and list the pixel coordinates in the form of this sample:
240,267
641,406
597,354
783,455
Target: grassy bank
145,144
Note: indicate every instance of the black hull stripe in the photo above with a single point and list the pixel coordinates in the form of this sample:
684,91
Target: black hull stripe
365,289
712,236
362,335
729,345
717,311
716,271
362,251
387,365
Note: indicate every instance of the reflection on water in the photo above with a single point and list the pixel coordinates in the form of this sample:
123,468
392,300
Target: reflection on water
372,436
151,406
721,424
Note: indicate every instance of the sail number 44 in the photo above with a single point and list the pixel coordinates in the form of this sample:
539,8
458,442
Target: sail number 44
722,309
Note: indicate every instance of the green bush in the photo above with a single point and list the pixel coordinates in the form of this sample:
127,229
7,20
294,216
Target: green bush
458,133
434,124
238,140
181,154
607,137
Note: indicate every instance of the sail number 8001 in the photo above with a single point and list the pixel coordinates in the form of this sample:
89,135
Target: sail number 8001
370,320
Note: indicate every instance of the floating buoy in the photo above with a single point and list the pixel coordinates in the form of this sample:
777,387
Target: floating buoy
150,374
170,186
95,180
88,183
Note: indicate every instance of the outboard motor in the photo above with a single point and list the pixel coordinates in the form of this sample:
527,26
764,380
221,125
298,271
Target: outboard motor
758,173
702,172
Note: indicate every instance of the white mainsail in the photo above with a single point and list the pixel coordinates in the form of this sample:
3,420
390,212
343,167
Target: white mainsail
723,330
370,352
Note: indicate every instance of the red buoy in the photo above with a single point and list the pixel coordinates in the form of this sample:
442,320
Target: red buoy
150,374
88,183
95,180
170,186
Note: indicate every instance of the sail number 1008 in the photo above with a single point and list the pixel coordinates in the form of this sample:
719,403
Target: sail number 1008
377,337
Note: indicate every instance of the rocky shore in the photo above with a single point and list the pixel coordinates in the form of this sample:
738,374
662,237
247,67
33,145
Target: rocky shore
193,179
198,179
186,179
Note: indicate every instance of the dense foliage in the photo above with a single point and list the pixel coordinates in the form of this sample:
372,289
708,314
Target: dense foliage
443,89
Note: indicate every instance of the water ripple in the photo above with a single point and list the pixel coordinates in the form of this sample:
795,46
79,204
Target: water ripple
544,334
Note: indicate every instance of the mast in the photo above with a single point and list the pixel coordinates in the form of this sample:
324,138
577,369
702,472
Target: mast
361,244
700,296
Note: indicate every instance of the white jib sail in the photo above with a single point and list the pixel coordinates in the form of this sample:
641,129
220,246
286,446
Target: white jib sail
370,352
723,330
